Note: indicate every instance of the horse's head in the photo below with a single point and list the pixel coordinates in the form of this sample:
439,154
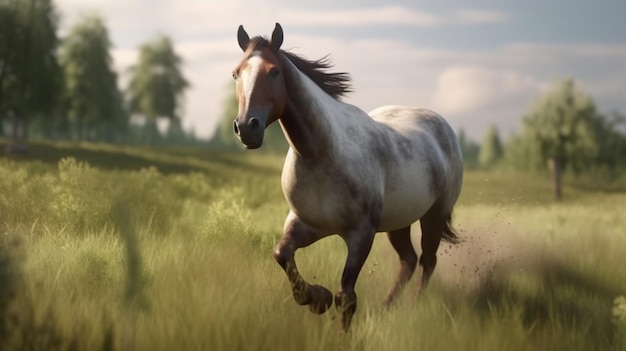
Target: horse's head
260,86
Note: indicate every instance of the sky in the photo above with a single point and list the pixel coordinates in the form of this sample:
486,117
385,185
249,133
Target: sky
478,63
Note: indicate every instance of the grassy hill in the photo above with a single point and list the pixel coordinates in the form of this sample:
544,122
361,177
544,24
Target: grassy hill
111,247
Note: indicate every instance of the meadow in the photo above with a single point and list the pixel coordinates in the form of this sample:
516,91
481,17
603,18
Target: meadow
117,248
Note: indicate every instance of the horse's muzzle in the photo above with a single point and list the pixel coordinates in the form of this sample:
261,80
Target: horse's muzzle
250,133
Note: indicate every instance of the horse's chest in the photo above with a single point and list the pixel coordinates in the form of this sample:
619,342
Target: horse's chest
326,198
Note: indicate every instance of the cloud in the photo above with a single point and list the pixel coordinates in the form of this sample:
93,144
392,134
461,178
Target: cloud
384,15
476,88
479,16
470,88
141,17
131,22
124,58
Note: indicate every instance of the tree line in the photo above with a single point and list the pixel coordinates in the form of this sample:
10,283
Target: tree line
562,132
66,88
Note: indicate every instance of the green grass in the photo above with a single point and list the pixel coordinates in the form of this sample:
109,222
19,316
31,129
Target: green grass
118,248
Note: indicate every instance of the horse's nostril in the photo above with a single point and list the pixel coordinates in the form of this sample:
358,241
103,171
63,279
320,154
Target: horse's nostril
236,127
254,123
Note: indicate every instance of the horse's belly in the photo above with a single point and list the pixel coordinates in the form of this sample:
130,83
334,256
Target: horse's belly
404,204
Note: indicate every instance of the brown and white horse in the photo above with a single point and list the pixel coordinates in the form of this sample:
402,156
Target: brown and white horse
347,172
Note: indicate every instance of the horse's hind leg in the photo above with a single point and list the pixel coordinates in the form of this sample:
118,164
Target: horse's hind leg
432,225
298,234
401,242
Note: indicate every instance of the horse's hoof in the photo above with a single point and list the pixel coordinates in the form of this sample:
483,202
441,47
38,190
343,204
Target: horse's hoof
321,299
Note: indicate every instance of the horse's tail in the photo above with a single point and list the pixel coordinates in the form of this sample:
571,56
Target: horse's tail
449,234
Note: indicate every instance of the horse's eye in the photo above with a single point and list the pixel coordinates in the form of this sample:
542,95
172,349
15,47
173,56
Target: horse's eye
274,72
234,75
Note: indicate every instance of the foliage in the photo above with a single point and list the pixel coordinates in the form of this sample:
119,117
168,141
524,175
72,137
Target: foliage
224,136
204,224
619,318
21,326
157,83
470,150
30,76
93,101
564,125
79,98
611,157
491,148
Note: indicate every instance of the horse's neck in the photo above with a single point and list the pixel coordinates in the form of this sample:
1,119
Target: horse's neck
307,120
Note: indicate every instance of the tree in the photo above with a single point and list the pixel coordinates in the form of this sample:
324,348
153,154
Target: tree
157,84
490,149
30,76
611,131
469,149
561,129
224,137
8,29
92,98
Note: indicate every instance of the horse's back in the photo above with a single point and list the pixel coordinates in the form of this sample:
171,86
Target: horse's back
405,119
419,124
429,167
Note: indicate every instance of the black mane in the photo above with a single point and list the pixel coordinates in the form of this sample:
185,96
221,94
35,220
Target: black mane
335,84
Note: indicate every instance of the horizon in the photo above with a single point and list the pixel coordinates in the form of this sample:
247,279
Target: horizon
477,66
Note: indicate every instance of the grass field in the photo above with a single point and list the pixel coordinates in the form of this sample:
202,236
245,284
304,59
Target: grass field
113,248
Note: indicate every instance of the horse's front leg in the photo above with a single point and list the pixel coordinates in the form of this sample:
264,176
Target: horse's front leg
298,234
359,242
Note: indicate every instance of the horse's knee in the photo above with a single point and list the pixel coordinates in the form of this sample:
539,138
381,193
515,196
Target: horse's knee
282,254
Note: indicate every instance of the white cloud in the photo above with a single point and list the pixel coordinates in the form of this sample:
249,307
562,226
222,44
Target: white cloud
475,88
470,88
476,16
124,58
390,15
204,16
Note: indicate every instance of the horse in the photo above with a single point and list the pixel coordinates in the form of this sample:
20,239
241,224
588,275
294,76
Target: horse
347,172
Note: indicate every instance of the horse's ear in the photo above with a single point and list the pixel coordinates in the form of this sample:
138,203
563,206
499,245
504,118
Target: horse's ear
242,38
277,37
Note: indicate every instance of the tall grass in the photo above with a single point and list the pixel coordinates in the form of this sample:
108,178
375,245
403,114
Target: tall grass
175,253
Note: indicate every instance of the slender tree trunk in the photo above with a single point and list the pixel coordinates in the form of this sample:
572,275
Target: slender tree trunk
554,165
2,102
15,128
81,129
152,131
16,146
25,125
64,128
